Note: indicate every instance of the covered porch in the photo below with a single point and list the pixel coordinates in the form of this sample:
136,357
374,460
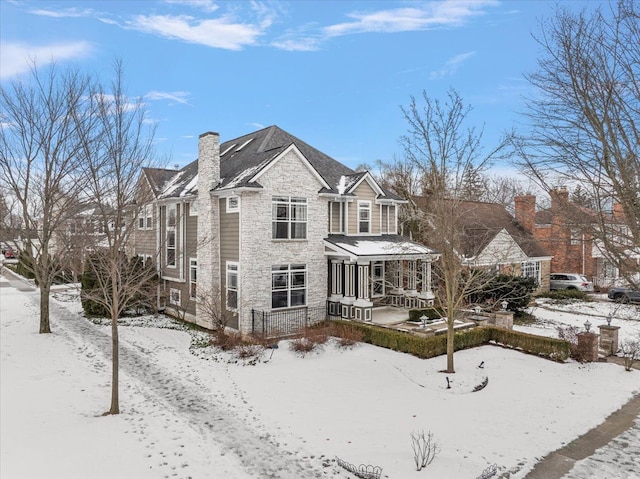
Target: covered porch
368,271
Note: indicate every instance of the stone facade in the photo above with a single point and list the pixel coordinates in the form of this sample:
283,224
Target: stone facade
289,176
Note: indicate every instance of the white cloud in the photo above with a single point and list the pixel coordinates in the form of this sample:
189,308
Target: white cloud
64,13
175,96
204,5
422,17
451,66
17,58
216,33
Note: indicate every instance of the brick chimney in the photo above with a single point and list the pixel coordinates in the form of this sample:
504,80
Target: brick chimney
526,211
208,240
618,212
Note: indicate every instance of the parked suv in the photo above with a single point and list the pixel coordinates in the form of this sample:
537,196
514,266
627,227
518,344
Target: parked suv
569,281
624,295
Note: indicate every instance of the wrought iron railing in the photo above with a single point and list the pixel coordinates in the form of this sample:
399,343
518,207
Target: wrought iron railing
287,321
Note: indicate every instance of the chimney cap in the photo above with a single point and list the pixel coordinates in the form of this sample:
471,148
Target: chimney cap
207,133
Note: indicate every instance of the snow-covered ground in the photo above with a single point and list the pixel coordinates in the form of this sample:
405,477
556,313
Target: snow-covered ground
195,412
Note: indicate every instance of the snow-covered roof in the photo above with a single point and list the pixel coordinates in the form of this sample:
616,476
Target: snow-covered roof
378,247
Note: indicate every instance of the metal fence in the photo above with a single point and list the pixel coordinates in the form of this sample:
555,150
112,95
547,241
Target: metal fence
286,322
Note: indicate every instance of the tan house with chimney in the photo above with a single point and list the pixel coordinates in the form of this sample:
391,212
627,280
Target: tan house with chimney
492,238
278,234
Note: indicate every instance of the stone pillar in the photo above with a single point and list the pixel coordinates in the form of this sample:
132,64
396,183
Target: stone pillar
504,319
588,347
608,339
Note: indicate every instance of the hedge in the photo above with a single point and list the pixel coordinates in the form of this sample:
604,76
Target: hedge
431,346
431,313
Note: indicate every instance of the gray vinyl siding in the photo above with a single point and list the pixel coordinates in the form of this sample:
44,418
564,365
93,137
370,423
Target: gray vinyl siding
229,235
335,219
364,193
171,272
191,245
229,249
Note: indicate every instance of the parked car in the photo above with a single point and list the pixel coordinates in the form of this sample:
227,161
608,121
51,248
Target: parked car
624,295
569,281
8,253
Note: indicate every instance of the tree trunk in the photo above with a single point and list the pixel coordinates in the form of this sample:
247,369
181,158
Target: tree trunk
45,325
450,348
115,399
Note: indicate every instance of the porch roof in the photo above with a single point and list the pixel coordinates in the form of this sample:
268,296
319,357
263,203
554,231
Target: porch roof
377,248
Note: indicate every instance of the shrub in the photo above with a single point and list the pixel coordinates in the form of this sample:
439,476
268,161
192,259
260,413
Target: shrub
431,313
349,335
516,290
565,295
429,347
226,341
312,338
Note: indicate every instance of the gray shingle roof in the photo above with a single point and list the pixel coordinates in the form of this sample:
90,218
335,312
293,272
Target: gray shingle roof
242,158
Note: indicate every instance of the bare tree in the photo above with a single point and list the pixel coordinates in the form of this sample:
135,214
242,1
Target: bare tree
114,153
444,152
39,162
584,121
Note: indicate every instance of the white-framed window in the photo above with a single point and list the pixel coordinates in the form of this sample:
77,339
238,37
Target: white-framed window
233,204
171,247
288,285
392,219
531,269
145,217
175,297
171,215
171,235
233,272
193,278
289,217
377,279
193,208
364,217
576,236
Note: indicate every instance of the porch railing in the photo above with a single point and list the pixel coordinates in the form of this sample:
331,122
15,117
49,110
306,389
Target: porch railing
286,322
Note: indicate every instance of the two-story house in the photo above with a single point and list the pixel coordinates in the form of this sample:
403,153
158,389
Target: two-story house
270,227
566,231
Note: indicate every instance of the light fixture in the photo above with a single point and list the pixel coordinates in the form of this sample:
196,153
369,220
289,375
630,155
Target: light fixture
587,325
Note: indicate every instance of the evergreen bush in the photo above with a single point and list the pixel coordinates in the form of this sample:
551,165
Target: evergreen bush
429,347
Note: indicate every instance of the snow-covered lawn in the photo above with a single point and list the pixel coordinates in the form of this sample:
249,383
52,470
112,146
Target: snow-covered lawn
200,413
551,314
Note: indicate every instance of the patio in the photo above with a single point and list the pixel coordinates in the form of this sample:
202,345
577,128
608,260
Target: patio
398,318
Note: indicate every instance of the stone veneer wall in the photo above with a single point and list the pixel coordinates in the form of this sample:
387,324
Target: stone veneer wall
258,251
208,219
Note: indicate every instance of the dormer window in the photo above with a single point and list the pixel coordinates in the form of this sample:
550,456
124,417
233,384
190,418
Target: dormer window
364,217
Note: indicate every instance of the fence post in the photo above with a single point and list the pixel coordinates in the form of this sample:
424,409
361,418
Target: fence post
253,321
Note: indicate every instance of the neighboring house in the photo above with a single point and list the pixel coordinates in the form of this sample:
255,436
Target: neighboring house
493,238
563,231
275,231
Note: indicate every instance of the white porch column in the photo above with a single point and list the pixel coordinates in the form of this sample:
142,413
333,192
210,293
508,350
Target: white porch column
336,280
412,277
349,290
363,281
363,306
426,292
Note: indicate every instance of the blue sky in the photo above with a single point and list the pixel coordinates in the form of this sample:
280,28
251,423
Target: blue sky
333,73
